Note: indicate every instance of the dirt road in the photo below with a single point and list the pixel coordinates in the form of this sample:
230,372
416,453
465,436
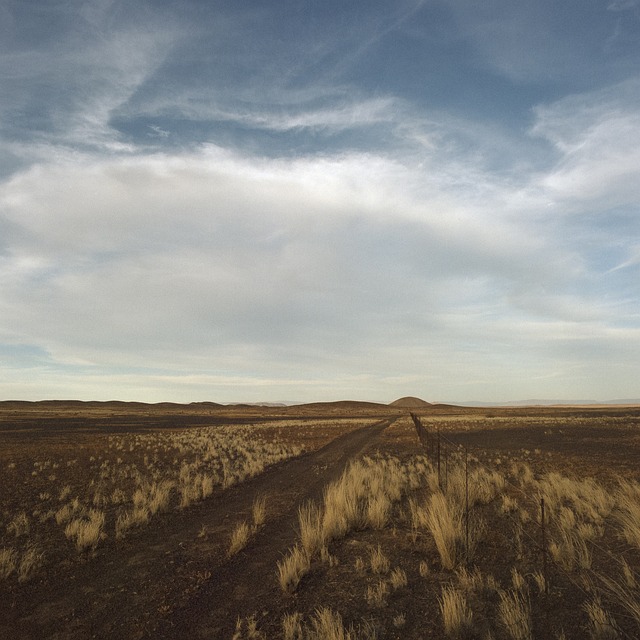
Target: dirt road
248,583
174,580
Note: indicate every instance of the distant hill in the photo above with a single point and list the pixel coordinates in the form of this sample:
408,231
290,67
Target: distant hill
409,402
256,404
344,404
543,402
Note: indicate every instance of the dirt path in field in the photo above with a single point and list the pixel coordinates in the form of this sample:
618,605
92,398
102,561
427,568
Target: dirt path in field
248,583
173,580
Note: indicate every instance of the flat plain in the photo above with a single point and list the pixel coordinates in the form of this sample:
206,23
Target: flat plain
328,520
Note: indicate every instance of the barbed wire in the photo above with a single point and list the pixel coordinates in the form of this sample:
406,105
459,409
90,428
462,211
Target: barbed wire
425,434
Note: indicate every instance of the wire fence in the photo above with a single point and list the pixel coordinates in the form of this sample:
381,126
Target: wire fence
443,451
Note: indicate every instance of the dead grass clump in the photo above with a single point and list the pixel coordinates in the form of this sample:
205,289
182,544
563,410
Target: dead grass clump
628,512
378,561
515,615
247,629
470,581
87,531
540,580
327,558
293,568
445,523
570,549
20,525
8,562
128,520
327,624
239,538
292,626
627,598
509,504
517,580
31,560
398,578
310,520
457,617
378,511
601,624
628,574
399,621
377,594
259,512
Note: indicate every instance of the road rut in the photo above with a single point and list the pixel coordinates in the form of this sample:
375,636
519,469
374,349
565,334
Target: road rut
248,582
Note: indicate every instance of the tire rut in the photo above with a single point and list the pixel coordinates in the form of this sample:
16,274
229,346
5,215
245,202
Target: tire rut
248,582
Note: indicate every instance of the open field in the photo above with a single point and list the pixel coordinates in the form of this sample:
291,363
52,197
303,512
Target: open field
337,520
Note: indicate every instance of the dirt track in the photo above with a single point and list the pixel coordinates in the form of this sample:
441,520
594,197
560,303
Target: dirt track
174,580
248,583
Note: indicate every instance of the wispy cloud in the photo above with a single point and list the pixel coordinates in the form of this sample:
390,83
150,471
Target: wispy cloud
181,215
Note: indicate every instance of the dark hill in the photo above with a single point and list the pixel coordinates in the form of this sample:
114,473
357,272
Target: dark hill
409,402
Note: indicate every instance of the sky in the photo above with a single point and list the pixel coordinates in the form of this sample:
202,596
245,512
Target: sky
297,201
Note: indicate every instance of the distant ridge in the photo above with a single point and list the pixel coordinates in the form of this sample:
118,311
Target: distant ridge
410,402
543,402
344,404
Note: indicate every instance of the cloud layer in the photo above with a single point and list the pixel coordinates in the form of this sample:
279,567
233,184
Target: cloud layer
174,232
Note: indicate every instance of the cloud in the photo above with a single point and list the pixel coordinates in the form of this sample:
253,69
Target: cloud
64,91
120,255
598,138
542,43
331,237
622,5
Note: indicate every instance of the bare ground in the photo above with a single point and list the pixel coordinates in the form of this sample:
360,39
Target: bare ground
173,579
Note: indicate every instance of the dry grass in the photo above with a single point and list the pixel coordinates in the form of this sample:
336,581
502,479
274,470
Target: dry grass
312,536
445,523
628,512
8,562
377,594
327,625
87,531
30,563
259,512
292,568
20,525
398,578
130,478
601,624
292,626
378,503
514,612
457,617
378,561
239,538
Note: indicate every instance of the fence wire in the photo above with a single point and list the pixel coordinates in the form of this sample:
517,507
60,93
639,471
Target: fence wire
435,445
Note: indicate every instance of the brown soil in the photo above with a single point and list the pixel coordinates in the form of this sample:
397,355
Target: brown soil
173,579
151,584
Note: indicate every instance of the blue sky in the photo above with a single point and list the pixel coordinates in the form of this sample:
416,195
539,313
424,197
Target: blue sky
247,201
